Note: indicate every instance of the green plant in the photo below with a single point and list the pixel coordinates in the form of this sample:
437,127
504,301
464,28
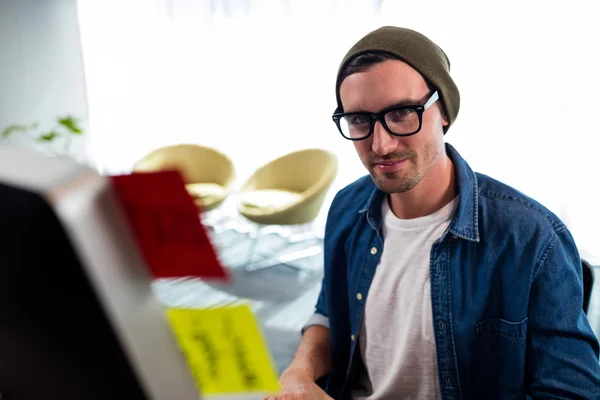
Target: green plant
66,127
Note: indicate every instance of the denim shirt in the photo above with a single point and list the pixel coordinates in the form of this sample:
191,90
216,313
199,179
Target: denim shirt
506,294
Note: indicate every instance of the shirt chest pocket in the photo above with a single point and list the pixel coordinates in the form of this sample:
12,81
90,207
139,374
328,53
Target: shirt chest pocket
501,348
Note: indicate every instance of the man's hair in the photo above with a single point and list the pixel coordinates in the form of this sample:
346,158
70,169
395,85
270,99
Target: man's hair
364,61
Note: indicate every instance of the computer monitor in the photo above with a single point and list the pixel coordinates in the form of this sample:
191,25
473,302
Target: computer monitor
78,318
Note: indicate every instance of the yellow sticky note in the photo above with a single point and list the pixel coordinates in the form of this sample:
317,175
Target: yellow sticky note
224,349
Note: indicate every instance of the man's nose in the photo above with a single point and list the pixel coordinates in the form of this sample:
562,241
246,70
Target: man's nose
383,142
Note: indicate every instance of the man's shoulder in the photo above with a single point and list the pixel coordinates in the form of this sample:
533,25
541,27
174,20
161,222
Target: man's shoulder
505,202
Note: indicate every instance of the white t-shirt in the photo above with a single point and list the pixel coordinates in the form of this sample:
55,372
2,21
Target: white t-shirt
396,338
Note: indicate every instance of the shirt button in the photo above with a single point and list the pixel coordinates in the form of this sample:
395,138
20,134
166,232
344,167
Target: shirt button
359,296
373,250
442,325
352,337
454,237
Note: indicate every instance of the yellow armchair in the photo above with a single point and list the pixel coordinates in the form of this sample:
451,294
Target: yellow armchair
207,172
290,189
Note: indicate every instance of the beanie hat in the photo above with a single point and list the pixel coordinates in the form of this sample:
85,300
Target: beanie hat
416,50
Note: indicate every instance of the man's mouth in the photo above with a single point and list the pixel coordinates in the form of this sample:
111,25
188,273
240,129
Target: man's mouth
389,166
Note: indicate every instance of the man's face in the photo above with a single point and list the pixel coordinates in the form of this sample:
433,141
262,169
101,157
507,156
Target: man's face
396,164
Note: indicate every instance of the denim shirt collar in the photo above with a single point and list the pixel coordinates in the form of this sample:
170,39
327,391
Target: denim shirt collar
465,223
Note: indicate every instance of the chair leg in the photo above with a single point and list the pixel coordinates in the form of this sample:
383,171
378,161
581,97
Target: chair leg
225,224
272,259
224,234
305,236
254,236
307,232
284,259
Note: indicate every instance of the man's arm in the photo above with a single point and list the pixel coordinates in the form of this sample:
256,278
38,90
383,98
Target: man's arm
312,361
313,356
562,351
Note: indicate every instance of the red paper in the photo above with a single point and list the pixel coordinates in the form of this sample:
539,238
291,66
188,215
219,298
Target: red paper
166,223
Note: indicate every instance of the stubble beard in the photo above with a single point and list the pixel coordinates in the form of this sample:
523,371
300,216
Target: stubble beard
410,174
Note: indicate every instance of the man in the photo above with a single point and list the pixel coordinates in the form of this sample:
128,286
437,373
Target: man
440,283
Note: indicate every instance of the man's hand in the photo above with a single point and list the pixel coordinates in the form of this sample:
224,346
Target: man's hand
298,385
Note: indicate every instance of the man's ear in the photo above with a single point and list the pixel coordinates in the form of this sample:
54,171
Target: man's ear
444,120
444,115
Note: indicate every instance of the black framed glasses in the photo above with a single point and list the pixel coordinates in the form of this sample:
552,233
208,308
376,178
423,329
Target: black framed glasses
399,120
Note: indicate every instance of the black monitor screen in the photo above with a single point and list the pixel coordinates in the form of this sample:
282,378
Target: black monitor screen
55,340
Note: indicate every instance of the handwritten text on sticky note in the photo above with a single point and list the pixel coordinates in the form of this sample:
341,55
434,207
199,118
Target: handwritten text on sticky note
225,349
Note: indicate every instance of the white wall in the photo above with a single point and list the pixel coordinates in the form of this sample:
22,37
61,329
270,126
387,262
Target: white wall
41,65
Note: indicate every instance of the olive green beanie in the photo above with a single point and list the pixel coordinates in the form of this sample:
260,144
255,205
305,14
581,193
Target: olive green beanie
416,50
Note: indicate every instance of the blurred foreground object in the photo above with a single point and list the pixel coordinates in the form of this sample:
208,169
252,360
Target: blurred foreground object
225,349
78,318
166,225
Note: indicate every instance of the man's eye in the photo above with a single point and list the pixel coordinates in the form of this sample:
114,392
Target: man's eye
358,120
400,115
402,112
